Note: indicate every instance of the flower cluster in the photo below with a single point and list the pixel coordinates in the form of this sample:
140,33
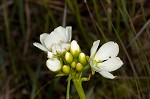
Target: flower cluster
65,57
73,60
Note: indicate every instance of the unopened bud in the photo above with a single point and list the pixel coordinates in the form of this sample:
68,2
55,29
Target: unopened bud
82,59
66,69
75,49
73,64
68,57
79,67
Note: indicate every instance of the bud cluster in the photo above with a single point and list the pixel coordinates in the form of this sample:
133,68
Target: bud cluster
73,59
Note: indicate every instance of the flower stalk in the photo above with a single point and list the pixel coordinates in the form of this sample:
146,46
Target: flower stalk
68,89
78,85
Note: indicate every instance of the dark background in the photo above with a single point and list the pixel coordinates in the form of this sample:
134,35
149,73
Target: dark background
23,73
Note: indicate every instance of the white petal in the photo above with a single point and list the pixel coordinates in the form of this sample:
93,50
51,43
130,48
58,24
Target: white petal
65,46
111,64
106,51
54,50
50,55
56,37
38,45
69,33
61,33
58,48
94,48
42,37
53,64
51,39
106,74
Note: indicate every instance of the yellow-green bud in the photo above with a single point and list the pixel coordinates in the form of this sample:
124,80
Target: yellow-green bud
75,49
79,67
82,59
66,69
68,57
73,64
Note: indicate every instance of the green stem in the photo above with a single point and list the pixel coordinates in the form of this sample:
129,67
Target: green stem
78,84
68,89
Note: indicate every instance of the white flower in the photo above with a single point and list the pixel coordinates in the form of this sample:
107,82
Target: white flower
105,59
57,41
54,64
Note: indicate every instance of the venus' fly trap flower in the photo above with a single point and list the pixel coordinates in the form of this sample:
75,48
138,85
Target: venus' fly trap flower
57,41
105,59
66,58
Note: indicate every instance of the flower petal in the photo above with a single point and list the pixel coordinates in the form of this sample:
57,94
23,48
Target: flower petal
51,39
40,46
53,64
69,33
42,37
94,48
107,74
106,51
54,50
50,54
61,33
58,49
65,46
111,64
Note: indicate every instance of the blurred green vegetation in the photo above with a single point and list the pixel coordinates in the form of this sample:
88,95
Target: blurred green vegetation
23,73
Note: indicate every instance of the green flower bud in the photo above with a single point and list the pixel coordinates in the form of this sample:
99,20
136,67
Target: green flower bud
66,69
82,59
68,57
75,49
79,67
73,64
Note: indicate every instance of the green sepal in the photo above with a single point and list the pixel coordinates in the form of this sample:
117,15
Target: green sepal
93,72
86,67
